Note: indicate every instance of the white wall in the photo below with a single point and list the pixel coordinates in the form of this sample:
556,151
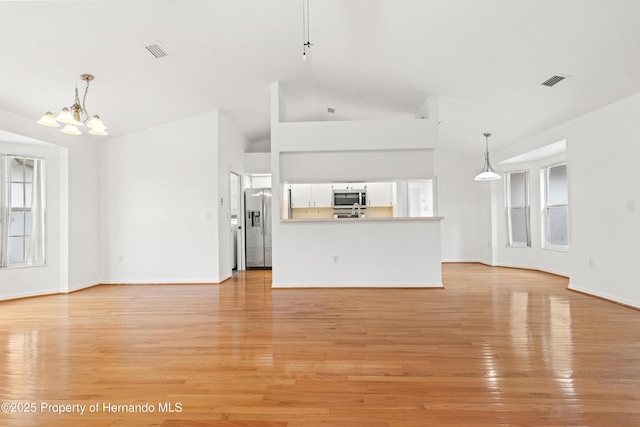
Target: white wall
363,253
165,198
464,204
77,243
603,149
159,198
257,163
263,146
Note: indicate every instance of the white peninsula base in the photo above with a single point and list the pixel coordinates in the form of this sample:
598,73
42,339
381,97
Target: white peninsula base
368,252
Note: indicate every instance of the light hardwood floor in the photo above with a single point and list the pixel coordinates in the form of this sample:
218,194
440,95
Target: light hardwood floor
496,347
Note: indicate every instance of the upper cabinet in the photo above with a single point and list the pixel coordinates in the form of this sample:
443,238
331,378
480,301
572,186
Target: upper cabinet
321,195
300,195
379,194
311,195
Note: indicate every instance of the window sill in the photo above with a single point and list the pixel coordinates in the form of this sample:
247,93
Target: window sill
556,248
18,266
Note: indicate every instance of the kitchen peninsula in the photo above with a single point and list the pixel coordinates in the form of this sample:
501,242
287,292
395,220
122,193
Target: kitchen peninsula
370,251
311,248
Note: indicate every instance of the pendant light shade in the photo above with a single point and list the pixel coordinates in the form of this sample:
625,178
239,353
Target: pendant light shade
487,174
70,129
65,116
48,120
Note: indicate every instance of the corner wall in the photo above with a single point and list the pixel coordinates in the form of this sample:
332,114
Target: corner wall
158,198
603,149
232,145
464,204
74,239
165,196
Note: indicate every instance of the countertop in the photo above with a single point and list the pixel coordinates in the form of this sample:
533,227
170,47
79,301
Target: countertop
372,219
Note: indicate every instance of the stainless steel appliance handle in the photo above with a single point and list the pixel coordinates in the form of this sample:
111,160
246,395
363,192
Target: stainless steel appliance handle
262,214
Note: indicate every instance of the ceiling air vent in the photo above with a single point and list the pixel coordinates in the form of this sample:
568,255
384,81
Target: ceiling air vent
157,50
553,80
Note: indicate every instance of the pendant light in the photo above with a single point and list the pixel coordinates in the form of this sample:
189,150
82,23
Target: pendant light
487,174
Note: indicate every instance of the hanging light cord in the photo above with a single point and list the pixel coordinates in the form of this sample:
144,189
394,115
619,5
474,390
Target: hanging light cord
306,42
486,138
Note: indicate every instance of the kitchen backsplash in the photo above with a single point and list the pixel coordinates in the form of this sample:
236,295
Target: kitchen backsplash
317,213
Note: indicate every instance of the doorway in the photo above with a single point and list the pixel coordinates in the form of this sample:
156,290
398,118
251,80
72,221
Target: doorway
235,209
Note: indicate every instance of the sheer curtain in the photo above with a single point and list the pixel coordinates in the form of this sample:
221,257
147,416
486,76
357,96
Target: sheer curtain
35,251
4,211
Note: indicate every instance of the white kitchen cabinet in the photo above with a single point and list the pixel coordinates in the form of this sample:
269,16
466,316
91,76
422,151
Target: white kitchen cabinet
321,195
300,195
311,195
340,186
379,194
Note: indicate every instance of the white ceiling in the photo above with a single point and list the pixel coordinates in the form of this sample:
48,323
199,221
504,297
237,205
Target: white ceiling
484,61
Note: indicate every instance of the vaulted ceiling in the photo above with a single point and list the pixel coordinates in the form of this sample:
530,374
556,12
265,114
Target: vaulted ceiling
484,60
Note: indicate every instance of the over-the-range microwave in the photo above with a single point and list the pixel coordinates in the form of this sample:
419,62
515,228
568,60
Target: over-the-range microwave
349,198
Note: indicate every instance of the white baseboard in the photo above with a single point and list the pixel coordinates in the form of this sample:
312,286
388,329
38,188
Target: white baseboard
529,267
355,285
74,288
159,282
604,295
39,293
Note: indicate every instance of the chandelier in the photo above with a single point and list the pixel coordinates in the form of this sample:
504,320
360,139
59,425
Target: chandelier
75,115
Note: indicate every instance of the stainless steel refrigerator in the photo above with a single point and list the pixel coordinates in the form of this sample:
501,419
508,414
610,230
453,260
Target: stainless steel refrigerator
257,218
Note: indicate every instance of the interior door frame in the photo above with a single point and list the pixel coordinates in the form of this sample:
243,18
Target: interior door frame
240,221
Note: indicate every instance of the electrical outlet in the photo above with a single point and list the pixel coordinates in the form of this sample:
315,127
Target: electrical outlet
336,259
121,258
631,206
591,262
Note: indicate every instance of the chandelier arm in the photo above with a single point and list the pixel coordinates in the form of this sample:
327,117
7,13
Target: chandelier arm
84,101
77,98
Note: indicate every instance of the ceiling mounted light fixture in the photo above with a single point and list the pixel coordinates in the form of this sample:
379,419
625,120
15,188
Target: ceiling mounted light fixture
306,44
75,116
487,174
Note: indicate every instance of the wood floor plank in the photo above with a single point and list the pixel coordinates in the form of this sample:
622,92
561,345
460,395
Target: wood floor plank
496,347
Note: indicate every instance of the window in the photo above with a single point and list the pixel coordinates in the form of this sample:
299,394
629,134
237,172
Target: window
556,207
22,211
517,200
